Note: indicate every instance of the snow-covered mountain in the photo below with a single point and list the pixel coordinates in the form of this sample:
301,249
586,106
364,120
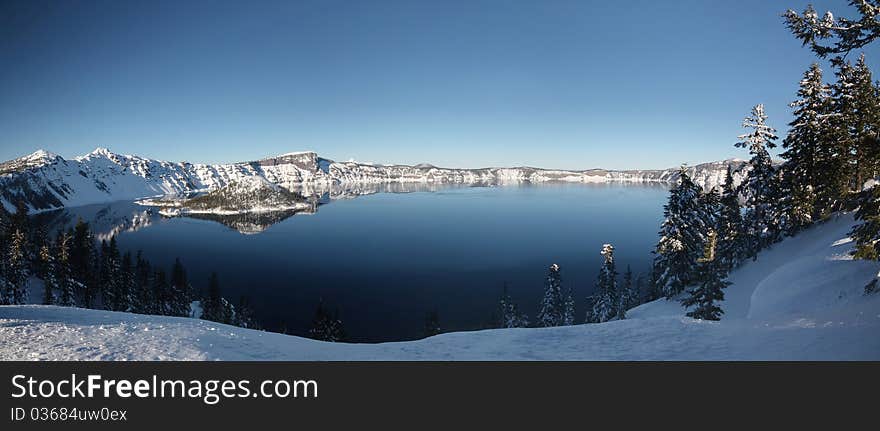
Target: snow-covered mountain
802,299
47,181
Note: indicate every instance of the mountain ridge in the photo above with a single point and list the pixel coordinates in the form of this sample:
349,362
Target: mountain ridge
47,181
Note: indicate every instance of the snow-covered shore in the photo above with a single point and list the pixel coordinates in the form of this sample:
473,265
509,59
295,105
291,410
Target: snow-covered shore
801,300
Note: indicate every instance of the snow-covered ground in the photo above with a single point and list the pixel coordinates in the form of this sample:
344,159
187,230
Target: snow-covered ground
801,300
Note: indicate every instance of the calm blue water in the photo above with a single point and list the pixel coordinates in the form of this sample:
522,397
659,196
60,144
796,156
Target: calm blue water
385,260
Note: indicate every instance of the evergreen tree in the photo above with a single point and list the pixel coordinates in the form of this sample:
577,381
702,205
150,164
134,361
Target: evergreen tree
805,149
143,301
629,294
84,262
607,298
48,274
568,308
761,185
326,326
19,220
161,294
640,289
212,305
865,124
110,276
511,317
181,291
244,314
846,34
16,271
867,234
126,284
552,312
432,323
67,286
708,291
805,146
730,226
681,240
835,161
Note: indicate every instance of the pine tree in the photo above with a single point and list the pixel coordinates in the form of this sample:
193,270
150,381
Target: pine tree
607,298
244,314
48,273
804,149
126,284
761,186
181,291
16,270
846,34
552,312
681,240
84,262
511,317
568,308
110,276
143,301
67,286
730,225
212,306
711,281
629,294
865,126
161,294
640,289
867,233
326,326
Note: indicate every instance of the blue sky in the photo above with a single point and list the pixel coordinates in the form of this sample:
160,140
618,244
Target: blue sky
562,84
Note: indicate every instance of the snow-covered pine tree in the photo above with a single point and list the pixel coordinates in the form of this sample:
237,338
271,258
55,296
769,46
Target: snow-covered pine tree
803,152
67,286
710,209
607,297
761,185
568,308
510,316
865,129
712,279
326,326
681,240
552,311
16,271
47,265
846,34
730,227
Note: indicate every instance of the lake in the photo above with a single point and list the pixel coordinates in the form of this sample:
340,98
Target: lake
384,257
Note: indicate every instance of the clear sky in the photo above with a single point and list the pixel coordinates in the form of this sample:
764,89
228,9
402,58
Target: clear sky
459,83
